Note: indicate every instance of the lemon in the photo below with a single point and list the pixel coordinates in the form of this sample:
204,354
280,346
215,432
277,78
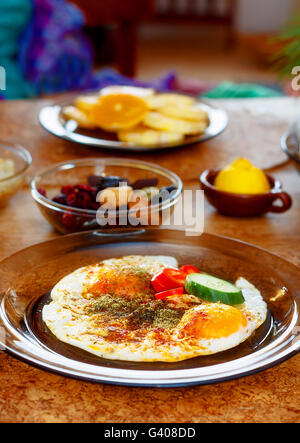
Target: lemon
241,177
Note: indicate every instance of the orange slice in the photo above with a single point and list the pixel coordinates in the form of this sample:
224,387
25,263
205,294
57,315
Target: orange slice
114,112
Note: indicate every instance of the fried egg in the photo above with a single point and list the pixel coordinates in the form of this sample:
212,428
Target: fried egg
109,309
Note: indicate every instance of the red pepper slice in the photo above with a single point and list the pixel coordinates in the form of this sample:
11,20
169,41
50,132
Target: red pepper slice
161,295
167,279
189,269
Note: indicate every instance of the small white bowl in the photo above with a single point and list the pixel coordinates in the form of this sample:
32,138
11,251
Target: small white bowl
22,160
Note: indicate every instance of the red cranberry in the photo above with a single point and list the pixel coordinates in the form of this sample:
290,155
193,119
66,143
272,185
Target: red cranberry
68,189
71,199
42,191
85,188
69,220
61,199
80,196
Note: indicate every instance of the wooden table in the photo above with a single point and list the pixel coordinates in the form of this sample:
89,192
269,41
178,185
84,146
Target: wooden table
32,395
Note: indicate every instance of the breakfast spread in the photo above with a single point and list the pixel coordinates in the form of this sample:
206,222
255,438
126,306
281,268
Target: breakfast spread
139,115
145,287
146,308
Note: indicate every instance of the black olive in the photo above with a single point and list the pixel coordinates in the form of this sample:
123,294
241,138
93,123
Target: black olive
145,183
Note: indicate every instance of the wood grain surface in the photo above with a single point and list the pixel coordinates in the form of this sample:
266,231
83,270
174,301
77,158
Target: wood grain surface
28,394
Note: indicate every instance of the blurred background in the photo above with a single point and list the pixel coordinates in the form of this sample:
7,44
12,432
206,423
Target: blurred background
215,48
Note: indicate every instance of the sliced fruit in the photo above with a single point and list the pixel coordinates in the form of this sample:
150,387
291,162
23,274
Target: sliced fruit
185,112
159,100
131,90
81,118
144,136
158,121
86,102
213,289
114,112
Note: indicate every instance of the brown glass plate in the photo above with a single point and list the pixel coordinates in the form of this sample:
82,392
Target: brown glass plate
27,278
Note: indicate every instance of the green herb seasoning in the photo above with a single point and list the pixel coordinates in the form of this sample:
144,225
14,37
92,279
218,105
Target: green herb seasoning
116,306
140,312
155,314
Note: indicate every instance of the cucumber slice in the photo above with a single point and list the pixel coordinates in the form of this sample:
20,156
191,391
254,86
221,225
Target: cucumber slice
213,289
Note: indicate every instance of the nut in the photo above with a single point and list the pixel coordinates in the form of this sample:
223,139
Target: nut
114,198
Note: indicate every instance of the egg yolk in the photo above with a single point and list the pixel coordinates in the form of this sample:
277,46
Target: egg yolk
124,282
212,320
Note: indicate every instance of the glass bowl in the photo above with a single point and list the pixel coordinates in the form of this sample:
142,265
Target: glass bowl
290,145
67,219
21,160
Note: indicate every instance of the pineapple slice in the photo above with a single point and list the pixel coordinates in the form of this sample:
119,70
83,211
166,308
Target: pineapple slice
185,112
160,100
80,117
140,135
155,120
86,102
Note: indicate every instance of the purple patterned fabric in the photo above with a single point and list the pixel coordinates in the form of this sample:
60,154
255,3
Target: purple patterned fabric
55,55
107,77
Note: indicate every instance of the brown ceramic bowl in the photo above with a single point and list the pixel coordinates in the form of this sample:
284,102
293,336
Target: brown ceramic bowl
244,205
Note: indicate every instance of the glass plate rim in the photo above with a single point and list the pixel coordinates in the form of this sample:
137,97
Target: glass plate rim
49,118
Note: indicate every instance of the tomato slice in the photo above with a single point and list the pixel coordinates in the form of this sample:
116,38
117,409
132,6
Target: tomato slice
161,295
189,269
167,279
